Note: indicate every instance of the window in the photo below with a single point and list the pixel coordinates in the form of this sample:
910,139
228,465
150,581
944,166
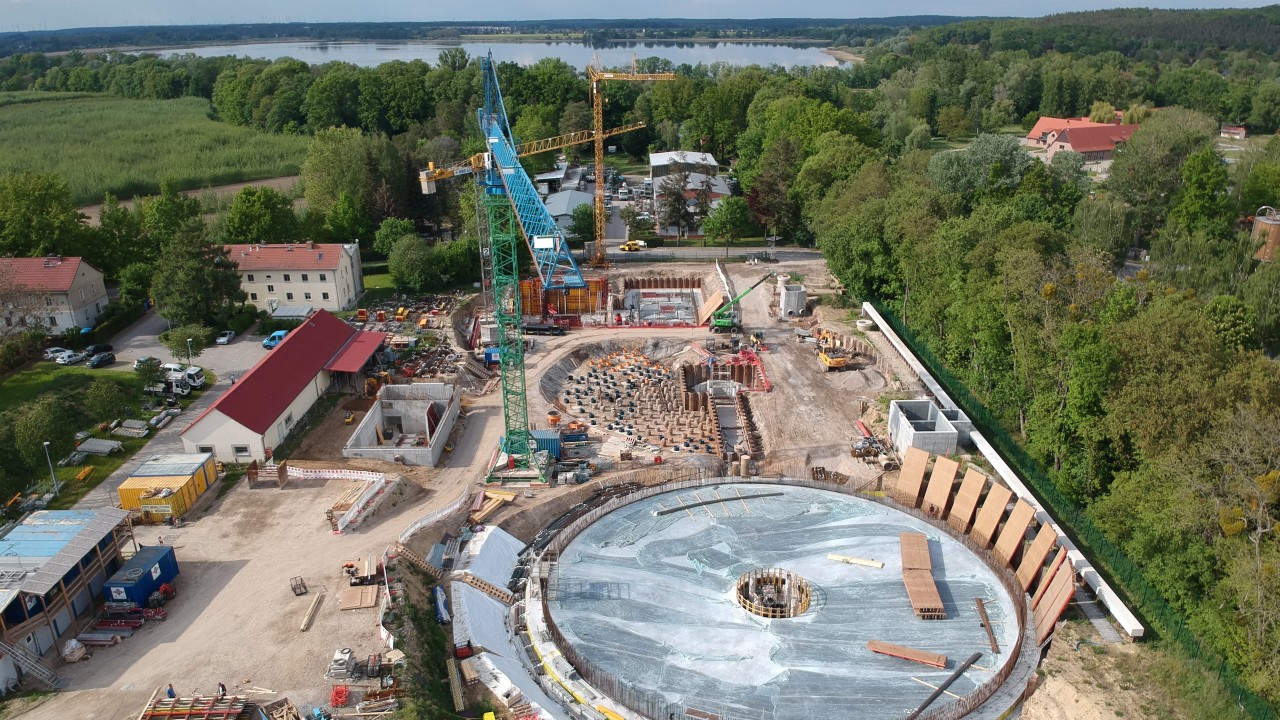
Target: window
240,449
53,321
304,277
249,277
286,277
288,420
204,448
288,296
306,296
322,277
253,296
48,301
82,295
324,296
271,288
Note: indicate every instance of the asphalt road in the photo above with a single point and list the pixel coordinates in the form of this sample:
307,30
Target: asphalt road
141,339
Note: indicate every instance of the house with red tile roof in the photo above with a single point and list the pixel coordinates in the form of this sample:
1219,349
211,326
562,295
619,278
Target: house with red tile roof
320,275
53,292
261,408
1047,127
1094,143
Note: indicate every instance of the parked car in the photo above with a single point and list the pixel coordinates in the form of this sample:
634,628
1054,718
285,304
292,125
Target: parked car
98,349
142,360
53,353
631,246
70,357
173,367
274,339
102,359
225,337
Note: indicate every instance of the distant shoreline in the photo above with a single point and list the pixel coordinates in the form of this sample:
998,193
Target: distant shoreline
503,39
844,55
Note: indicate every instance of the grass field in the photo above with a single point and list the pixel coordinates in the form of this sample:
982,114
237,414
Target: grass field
101,144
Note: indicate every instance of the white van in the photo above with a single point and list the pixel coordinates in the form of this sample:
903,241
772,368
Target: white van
193,376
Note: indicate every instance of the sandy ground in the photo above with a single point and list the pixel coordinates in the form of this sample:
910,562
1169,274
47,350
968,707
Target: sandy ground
1088,681
283,184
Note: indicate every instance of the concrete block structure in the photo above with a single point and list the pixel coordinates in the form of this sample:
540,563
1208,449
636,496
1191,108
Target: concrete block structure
792,299
408,424
922,424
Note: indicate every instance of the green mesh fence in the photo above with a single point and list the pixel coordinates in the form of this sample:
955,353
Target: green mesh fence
1120,571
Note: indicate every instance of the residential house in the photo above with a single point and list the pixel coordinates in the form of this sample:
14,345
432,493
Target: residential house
53,565
260,410
54,292
1094,143
716,187
1048,127
321,275
1233,132
562,204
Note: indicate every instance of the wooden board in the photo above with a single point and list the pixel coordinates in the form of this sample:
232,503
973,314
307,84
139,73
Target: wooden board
989,516
355,598
915,551
1013,533
708,308
966,500
910,480
1058,560
1033,558
939,491
923,657
1061,588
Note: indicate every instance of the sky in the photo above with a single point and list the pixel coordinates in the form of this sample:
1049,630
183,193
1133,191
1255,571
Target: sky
20,15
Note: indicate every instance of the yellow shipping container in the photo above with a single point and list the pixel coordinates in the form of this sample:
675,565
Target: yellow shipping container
146,495
205,476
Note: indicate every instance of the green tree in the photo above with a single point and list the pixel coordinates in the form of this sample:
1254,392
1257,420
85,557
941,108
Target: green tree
582,226
333,100
50,420
149,372
390,232
347,222
953,123
164,216
1204,202
410,264
118,238
37,216
1102,112
1146,171
1234,322
730,222
194,278
260,214
104,399
1261,187
992,165
536,122
135,282
176,340
336,163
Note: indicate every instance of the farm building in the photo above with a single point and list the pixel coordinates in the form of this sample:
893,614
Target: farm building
53,565
167,486
259,411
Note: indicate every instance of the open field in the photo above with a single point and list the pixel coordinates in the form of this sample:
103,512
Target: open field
100,144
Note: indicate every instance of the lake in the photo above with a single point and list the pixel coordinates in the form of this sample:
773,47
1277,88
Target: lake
370,54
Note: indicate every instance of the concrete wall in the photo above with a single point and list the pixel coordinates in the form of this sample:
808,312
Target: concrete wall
922,424
792,300
406,406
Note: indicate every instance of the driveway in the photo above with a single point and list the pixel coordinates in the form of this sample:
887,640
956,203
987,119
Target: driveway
142,338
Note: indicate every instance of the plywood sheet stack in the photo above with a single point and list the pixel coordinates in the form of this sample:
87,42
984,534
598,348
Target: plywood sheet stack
489,502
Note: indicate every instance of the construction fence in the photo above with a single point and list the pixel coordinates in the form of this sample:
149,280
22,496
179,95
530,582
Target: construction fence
1122,572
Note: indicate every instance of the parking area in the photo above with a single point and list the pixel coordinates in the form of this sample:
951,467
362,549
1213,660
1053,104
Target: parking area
142,339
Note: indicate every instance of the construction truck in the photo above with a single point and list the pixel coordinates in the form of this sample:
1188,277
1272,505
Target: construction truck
727,318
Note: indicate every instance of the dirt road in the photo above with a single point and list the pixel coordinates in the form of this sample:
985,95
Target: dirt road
283,184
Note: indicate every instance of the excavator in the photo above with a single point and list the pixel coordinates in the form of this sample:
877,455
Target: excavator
727,318
831,356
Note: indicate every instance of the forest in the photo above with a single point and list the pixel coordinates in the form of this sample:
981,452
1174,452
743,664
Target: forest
1148,392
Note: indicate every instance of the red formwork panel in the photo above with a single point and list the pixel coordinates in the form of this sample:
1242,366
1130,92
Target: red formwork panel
966,500
989,516
1033,559
938,494
910,480
1015,529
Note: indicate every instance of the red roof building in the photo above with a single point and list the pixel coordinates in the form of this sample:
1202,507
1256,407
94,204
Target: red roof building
1094,143
1048,126
257,412
54,292
327,276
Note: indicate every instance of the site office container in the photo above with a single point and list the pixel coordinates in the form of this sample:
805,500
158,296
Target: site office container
548,440
147,494
142,574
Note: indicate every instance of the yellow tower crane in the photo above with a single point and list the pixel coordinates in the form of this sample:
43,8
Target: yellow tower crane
475,163
598,79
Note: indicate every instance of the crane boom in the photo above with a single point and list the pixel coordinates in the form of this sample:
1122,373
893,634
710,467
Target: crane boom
726,318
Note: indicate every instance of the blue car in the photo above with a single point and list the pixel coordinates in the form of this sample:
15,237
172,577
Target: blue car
274,339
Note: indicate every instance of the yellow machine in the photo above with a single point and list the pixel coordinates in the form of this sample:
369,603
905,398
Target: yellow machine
832,359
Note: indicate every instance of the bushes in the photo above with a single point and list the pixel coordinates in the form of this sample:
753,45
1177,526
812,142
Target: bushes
270,325
19,350
239,318
118,316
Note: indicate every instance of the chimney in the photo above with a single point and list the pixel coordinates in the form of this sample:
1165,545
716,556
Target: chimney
290,248
311,244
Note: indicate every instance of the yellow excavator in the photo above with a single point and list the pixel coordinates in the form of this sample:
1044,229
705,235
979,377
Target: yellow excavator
831,357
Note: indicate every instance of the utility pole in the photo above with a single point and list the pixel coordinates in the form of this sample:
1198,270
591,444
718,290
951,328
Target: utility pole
52,474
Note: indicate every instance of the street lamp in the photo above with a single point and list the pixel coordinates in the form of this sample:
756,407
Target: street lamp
188,351
52,475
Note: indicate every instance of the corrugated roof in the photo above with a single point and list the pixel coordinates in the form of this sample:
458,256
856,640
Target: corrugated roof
688,158
177,464
292,312
159,481
51,274
562,203
61,536
263,393
352,357
287,256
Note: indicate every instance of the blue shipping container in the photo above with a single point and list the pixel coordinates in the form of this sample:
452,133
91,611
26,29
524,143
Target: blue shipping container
142,574
548,440
574,437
